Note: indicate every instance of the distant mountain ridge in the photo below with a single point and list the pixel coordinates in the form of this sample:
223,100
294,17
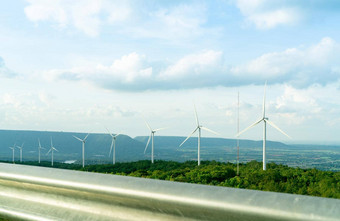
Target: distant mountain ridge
166,141
166,148
96,148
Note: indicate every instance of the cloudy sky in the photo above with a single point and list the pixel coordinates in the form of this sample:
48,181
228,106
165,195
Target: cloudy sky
84,65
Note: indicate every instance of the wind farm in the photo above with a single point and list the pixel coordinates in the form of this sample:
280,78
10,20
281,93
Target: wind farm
219,148
222,149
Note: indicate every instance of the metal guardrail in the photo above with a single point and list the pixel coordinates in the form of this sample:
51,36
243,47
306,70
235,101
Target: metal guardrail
37,193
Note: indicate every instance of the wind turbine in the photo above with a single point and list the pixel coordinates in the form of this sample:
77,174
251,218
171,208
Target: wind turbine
151,137
83,141
52,149
13,148
20,148
40,148
238,131
199,127
113,144
265,121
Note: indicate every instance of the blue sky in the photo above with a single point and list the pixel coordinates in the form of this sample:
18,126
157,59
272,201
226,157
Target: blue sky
85,65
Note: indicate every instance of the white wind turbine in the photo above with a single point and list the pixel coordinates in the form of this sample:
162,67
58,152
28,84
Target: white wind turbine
41,148
151,137
265,121
83,141
52,149
199,127
20,148
113,144
13,148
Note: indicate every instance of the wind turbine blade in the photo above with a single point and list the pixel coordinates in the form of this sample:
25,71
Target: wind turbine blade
160,129
117,135
86,136
78,138
109,132
264,101
196,116
49,151
277,128
147,144
111,147
211,131
55,149
257,122
188,137
147,125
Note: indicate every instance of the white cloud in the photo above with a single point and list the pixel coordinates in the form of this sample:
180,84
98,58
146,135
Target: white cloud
266,14
46,98
4,71
40,10
135,72
314,105
176,22
299,66
9,99
130,69
203,63
85,15
109,111
131,18
118,12
293,99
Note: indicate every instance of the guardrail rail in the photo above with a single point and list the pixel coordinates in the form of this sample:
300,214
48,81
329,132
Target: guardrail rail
38,193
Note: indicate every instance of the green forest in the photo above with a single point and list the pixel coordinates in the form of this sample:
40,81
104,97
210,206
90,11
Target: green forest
277,178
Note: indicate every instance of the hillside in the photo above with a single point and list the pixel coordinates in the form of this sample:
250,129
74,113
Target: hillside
96,148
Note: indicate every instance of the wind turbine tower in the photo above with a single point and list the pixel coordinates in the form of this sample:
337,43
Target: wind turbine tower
238,131
113,144
52,149
20,148
13,149
40,148
265,121
199,127
83,149
152,138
